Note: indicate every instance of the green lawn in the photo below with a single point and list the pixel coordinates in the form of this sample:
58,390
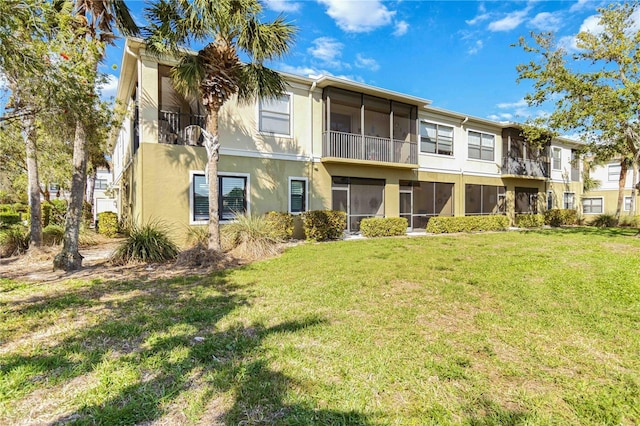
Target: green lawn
502,328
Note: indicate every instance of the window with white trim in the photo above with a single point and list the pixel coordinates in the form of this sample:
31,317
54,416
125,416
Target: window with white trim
232,197
436,139
274,115
627,204
613,172
481,146
592,205
556,161
549,200
298,195
568,200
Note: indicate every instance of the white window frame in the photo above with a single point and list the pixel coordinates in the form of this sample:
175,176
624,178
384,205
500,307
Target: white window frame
573,200
550,199
616,178
624,203
495,138
306,193
553,158
220,174
258,118
593,198
438,125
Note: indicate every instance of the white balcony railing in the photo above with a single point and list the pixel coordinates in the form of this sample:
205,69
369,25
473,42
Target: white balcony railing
171,127
371,148
525,167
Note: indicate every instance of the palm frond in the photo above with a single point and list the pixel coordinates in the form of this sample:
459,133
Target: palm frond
124,20
266,41
187,75
258,81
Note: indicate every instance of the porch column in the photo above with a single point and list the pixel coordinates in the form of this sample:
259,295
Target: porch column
392,198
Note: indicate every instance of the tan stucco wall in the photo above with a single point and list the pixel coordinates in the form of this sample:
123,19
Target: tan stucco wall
610,201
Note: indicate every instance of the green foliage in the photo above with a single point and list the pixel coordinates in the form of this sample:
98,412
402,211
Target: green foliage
108,224
322,225
560,217
8,219
383,226
281,225
148,243
14,241
529,220
604,221
250,237
450,224
52,235
630,221
7,197
54,212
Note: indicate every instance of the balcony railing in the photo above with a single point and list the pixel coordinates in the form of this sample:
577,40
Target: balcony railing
525,167
171,128
370,148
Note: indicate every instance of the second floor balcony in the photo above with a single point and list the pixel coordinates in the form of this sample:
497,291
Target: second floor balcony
172,127
525,167
369,148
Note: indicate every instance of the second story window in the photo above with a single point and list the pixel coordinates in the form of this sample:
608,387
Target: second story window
436,139
101,184
613,172
556,161
274,115
481,146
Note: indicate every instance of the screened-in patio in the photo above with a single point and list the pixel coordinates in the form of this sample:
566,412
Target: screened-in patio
420,201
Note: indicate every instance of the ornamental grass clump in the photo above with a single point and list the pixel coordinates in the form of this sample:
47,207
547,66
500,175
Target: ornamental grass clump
14,241
148,243
250,237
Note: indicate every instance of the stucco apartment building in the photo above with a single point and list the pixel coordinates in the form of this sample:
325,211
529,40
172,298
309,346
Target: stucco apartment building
327,144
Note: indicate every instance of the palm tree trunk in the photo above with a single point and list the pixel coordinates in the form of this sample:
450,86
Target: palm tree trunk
29,134
69,258
212,167
621,181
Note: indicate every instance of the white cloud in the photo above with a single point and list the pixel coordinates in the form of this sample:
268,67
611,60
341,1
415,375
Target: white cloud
476,47
518,104
367,63
503,117
579,5
546,21
511,21
109,88
358,16
401,28
282,5
302,70
328,50
592,25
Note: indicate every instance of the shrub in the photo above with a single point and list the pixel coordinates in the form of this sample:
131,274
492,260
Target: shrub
249,237
630,221
529,220
322,225
14,240
198,236
8,219
450,224
108,224
87,212
148,243
54,212
604,221
560,217
5,208
383,226
52,235
281,225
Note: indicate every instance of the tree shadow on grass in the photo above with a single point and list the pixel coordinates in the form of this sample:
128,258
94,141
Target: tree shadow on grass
143,355
587,230
488,413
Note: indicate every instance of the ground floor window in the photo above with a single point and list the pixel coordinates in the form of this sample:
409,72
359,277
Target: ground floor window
484,199
549,200
421,200
569,200
359,198
592,205
526,200
298,198
232,197
627,204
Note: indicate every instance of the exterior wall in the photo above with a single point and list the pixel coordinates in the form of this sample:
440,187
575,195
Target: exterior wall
608,189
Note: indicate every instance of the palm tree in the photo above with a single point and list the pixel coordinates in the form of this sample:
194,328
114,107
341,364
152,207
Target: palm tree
215,72
96,21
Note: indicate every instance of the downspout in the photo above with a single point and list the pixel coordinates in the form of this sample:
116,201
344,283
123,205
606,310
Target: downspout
311,165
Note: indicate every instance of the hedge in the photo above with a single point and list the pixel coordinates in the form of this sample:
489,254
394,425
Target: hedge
450,224
560,217
383,226
52,235
280,224
8,218
321,225
529,220
108,224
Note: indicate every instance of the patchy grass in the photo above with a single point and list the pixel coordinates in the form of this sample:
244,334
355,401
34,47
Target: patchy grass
539,327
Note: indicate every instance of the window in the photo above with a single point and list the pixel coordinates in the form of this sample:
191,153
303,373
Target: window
556,163
101,184
549,200
297,195
627,204
232,198
275,115
591,205
568,200
481,146
484,199
436,139
613,172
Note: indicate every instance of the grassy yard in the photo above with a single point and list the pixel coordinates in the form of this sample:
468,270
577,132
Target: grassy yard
503,328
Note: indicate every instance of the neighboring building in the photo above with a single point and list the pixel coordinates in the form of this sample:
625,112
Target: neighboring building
327,144
103,200
604,198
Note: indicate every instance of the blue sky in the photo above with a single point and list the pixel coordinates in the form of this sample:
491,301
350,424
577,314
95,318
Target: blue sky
456,53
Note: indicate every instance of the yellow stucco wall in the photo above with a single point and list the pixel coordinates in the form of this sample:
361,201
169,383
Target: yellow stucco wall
610,201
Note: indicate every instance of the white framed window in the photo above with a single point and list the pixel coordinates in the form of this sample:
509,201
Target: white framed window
549,200
568,200
481,146
627,204
101,184
274,115
556,160
298,195
592,205
613,172
233,196
436,139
